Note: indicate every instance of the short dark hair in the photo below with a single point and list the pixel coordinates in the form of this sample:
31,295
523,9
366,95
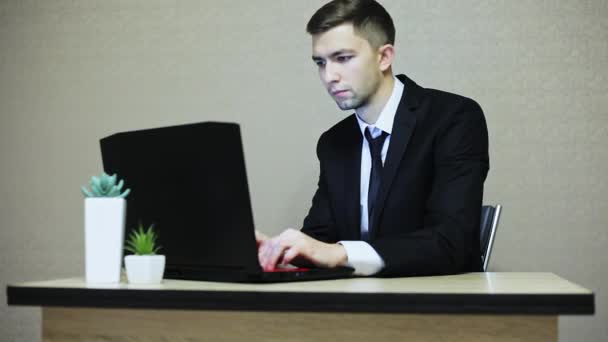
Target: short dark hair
368,17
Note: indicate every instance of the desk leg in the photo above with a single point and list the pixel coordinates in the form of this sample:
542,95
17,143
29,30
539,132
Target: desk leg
107,325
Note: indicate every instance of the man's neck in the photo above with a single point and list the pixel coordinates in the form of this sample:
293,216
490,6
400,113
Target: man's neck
371,111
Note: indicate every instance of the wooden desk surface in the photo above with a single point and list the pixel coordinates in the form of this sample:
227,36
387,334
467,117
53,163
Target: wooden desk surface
499,293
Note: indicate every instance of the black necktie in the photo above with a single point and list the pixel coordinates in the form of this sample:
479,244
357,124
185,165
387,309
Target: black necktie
375,176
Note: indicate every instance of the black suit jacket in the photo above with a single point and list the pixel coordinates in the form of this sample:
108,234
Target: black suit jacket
427,221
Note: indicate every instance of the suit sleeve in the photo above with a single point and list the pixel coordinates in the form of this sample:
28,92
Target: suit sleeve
445,244
319,222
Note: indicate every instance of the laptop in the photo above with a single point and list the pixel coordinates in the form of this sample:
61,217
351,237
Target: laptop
190,182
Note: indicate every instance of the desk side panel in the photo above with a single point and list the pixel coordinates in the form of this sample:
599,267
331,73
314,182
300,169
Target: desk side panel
65,324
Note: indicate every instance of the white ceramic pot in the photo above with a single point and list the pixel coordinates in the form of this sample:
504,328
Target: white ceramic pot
145,269
104,231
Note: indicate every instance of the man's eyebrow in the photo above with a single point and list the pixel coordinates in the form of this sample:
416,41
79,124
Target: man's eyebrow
334,54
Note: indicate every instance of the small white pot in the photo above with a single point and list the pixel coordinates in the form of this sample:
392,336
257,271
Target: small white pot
145,269
104,230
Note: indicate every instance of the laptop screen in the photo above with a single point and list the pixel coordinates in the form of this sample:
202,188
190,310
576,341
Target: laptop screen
190,182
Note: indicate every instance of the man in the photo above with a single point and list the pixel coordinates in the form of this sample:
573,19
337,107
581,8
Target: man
401,181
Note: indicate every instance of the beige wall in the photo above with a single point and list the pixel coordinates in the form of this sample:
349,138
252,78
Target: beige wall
72,72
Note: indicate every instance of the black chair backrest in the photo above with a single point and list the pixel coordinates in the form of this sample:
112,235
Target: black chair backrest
489,223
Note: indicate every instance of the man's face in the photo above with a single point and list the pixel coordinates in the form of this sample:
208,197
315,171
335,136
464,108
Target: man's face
348,66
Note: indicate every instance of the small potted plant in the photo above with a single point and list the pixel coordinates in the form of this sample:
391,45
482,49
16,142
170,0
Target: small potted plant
144,266
104,225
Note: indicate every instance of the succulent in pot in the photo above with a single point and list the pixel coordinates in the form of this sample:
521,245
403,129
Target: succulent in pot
104,221
144,266
105,186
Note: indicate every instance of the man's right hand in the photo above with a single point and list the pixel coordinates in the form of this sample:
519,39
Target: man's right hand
292,245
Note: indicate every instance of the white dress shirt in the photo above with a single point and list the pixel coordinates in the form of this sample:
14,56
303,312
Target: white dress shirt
361,256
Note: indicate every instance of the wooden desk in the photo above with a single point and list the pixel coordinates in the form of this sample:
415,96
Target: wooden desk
466,307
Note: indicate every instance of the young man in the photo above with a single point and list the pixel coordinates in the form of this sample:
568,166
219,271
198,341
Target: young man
401,180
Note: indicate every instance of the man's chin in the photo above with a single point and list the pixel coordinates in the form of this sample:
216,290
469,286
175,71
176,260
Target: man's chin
347,105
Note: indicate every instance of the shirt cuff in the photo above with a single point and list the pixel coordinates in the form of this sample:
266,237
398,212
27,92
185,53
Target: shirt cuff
362,257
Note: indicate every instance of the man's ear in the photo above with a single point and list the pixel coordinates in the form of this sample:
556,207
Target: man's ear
386,55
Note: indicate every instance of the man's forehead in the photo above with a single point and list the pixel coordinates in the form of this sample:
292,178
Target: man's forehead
339,38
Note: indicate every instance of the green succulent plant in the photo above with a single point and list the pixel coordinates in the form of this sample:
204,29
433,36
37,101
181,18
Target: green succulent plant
105,186
142,242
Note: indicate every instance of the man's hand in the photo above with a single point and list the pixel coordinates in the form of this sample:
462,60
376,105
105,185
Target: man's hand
260,238
293,244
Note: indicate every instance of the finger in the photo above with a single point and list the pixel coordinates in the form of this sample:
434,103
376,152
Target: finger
264,246
264,252
272,250
273,257
289,255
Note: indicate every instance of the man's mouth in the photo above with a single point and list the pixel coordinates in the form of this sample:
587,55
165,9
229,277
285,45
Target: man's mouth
339,93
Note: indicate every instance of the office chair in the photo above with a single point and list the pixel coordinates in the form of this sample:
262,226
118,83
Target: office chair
489,222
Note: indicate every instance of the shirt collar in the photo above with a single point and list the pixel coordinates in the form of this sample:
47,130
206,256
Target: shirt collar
387,115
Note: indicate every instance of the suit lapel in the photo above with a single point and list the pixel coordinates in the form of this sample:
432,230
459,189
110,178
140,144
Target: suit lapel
403,128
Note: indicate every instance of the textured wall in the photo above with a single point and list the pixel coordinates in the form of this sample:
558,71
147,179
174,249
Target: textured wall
72,72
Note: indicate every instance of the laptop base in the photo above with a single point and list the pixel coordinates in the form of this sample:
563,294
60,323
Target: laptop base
242,276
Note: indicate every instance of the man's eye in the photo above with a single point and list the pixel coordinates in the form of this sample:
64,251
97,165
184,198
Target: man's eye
343,59
320,63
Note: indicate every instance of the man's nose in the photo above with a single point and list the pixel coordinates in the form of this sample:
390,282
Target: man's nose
331,74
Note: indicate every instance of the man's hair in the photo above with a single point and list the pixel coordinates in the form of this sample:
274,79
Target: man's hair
370,20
